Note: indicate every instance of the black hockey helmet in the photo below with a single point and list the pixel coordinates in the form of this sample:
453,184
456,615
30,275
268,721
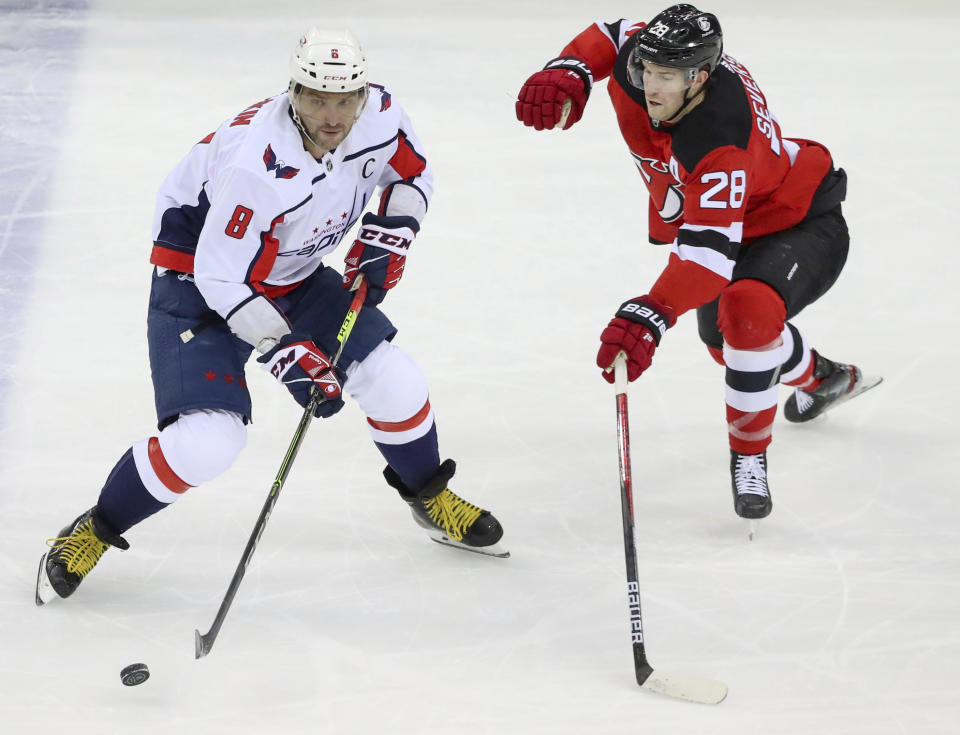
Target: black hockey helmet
681,37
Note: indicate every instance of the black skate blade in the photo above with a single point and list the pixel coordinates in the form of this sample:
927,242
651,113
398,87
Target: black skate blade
495,550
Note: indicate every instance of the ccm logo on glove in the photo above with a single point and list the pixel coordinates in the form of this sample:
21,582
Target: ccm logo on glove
312,364
380,253
298,363
384,239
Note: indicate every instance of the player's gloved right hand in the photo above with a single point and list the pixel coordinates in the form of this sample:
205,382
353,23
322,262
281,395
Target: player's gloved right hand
636,329
541,98
299,364
380,253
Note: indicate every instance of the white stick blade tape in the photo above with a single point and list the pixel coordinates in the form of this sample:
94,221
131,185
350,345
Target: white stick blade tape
690,688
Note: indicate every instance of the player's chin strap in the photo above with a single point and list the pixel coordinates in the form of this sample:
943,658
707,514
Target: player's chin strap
301,127
293,91
687,100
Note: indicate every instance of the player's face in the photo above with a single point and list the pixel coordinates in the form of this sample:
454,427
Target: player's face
664,89
328,116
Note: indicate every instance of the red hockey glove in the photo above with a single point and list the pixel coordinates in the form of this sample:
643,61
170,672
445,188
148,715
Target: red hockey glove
299,364
380,252
636,329
541,99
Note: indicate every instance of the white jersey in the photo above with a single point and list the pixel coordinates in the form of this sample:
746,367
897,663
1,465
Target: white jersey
251,213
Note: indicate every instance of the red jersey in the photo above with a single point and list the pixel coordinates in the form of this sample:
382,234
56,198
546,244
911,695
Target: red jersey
718,178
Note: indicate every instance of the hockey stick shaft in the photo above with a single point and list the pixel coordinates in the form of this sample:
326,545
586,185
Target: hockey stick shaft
204,642
640,665
690,688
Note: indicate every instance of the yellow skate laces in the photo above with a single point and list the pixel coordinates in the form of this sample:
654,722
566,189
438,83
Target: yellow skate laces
452,513
81,550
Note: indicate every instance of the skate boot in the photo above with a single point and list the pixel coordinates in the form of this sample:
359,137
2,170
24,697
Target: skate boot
448,518
72,555
751,495
838,383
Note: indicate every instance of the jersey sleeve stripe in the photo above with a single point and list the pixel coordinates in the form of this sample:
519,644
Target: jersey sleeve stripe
266,255
710,259
715,248
406,161
733,232
611,31
620,31
239,306
175,260
176,242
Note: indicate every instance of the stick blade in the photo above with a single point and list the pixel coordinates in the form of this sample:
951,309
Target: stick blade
689,688
202,644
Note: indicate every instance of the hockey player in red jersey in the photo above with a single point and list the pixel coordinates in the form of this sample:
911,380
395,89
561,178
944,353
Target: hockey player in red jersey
241,226
754,220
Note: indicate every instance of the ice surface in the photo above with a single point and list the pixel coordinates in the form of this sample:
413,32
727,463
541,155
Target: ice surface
840,618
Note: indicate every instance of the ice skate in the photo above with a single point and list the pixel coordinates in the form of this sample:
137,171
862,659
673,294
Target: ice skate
751,495
448,518
839,383
72,555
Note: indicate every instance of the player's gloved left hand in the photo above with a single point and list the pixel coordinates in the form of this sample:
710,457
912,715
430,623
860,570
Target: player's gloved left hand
636,329
380,253
300,365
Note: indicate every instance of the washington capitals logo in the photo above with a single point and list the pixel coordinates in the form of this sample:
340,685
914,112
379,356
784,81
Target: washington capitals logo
384,96
279,170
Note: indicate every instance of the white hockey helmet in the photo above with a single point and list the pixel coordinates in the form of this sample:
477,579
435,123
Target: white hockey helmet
328,60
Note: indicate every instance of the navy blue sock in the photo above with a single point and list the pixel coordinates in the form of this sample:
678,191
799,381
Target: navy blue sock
124,500
416,461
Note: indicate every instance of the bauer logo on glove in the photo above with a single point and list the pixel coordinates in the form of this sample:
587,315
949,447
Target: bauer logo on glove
648,315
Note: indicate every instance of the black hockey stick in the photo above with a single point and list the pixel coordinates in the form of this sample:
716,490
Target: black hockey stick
693,689
204,642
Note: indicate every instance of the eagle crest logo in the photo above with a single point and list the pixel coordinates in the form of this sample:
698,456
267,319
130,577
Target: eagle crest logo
279,170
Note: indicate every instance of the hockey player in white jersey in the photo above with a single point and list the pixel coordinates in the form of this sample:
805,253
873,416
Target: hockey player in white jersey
241,227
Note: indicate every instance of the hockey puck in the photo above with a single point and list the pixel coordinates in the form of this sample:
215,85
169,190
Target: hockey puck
134,674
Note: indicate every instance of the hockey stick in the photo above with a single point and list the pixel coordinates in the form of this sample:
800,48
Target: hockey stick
204,642
693,689
564,114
